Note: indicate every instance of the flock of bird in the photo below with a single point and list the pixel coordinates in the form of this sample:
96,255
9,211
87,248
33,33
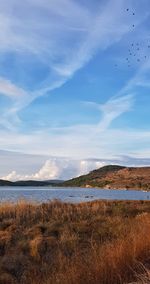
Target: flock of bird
134,49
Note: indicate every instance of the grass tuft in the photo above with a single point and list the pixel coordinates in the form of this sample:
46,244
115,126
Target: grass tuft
95,242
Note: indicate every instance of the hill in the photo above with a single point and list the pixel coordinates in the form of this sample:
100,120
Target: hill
30,183
5,182
114,177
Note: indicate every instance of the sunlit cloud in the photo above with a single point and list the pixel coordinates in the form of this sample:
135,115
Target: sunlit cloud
57,168
66,168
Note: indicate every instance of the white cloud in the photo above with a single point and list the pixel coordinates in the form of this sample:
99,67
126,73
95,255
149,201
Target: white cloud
80,142
48,171
10,90
20,162
64,168
63,49
116,106
112,109
60,36
57,168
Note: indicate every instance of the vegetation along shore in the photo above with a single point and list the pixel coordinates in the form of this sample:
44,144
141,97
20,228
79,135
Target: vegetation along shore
96,242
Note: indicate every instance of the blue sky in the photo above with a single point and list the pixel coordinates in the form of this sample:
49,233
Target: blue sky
74,86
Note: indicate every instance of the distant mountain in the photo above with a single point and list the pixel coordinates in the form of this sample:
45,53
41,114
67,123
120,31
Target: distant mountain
31,183
114,177
5,182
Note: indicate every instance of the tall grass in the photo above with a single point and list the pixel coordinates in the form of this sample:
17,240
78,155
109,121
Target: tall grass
95,242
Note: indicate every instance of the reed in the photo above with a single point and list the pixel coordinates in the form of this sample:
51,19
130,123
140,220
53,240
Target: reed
95,242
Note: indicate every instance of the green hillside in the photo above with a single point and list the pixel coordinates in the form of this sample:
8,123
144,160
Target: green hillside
114,177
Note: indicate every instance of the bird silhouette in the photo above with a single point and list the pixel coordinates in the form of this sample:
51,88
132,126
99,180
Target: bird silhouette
134,48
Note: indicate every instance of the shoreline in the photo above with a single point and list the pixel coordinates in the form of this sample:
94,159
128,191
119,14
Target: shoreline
72,187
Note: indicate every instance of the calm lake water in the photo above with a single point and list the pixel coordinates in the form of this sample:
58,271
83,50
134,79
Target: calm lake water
41,194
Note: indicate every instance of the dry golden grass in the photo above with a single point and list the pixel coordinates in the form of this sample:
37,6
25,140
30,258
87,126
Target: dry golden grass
97,242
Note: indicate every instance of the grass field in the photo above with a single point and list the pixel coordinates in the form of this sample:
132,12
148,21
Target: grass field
97,242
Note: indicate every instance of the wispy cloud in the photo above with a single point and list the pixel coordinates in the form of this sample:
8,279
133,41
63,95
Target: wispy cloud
9,89
46,43
58,37
79,141
112,109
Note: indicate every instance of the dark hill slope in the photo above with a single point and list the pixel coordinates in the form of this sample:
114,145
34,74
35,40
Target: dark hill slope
5,182
30,183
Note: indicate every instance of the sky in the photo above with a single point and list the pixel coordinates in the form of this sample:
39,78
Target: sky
74,86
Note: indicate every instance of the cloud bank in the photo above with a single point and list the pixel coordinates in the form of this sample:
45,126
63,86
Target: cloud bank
57,169
63,168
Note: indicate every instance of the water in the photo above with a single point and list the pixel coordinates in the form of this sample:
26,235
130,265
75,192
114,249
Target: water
42,194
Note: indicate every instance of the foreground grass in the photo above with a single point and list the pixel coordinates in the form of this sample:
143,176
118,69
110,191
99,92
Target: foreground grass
98,242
